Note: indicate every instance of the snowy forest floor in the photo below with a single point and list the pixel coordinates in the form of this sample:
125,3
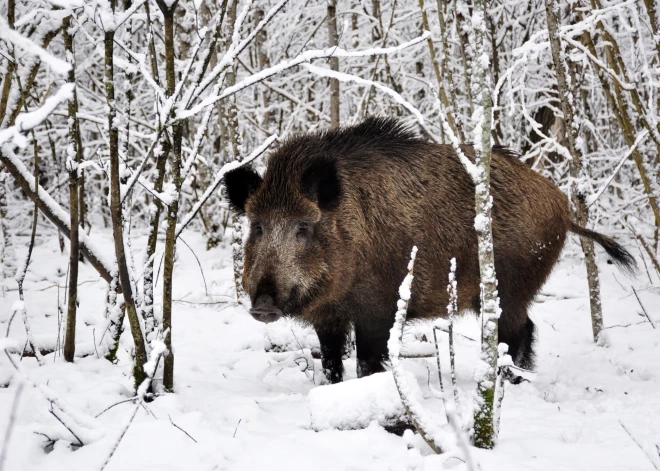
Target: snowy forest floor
585,410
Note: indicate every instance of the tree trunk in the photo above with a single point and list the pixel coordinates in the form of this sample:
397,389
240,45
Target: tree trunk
116,213
438,74
147,308
11,66
577,171
485,427
74,158
173,206
333,40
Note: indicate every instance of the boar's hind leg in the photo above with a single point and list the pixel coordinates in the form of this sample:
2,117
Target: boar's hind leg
332,338
371,345
517,331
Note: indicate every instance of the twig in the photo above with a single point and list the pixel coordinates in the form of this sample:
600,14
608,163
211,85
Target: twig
213,303
236,429
156,354
437,356
94,338
426,430
206,289
10,426
80,419
58,286
121,435
65,425
651,459
642,306
115,404
172,422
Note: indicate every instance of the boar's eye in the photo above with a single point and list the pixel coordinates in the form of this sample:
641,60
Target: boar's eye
302,232
257,229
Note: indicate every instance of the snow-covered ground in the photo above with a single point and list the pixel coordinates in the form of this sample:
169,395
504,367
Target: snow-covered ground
242,408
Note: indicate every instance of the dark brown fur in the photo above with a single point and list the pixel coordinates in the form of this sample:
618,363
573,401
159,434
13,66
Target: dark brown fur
364,196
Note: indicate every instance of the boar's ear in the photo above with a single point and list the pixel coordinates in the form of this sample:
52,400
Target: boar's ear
240,184
321,183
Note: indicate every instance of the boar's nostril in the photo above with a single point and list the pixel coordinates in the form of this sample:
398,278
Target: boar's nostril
264,302
264,310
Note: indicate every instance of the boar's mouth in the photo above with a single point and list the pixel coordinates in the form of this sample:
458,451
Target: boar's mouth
264,310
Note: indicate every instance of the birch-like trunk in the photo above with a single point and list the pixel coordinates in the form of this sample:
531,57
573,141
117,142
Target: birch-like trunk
576,165
239,259
485,431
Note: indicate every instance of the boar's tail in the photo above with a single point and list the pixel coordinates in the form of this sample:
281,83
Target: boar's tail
620,256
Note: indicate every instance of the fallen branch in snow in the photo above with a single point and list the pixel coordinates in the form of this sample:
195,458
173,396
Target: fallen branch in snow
175,425
86,429
60,420
651,458
113,405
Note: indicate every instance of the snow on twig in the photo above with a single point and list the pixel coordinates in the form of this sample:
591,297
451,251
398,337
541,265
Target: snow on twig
26,122
353,78
406,384
86,428
158,349
63,218
7,33
218,179
300,59
640,138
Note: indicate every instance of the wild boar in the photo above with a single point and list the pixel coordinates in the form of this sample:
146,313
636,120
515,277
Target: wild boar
334,217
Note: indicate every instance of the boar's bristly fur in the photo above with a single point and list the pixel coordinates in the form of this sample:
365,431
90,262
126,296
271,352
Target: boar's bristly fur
337,212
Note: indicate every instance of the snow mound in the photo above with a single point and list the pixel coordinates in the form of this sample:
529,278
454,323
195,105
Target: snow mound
357,403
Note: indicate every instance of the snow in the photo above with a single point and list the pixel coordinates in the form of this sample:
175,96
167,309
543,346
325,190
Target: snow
302,58
323,72
28,121
57,65
246,415
356,403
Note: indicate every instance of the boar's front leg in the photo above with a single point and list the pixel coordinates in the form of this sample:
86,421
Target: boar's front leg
333,339
371,344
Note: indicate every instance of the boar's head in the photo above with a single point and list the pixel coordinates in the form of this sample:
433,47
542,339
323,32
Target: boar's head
291,252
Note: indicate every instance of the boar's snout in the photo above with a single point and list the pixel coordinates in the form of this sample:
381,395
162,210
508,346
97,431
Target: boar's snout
264,309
